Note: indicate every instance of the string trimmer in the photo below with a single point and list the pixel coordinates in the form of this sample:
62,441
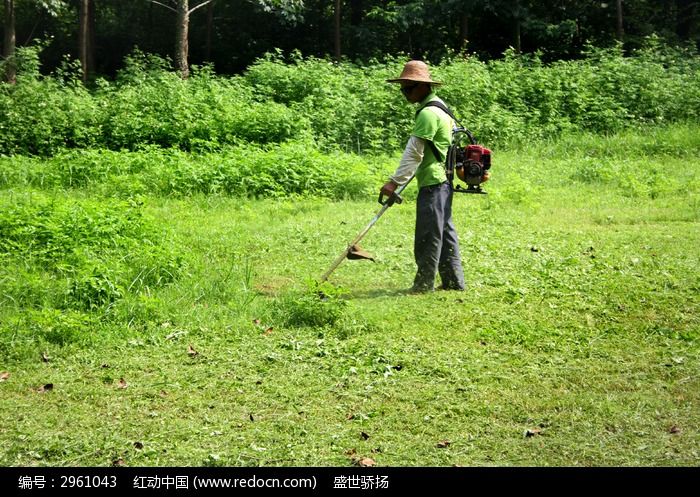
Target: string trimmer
354,251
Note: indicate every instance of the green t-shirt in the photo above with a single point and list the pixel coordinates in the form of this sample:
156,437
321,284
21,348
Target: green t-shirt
432,124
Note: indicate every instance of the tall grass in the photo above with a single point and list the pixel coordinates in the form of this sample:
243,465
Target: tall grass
342,105
291,169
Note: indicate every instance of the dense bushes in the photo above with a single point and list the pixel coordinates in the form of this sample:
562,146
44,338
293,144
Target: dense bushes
247,170
519,97
343,106
145,105
80,255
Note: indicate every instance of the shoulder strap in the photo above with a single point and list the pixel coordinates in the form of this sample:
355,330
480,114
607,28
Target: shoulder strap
441,106
444,108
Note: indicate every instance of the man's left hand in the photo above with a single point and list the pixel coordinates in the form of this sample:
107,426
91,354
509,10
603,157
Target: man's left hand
388,189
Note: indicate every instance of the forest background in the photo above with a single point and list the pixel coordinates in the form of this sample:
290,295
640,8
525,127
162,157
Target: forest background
231,34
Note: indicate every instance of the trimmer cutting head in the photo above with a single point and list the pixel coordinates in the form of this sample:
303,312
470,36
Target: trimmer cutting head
356,252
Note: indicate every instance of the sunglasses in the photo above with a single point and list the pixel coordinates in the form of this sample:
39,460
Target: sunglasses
408,89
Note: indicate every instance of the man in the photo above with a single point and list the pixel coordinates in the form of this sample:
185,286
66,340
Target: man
436,246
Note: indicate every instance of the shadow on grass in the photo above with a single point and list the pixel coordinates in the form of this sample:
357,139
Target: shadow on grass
376,293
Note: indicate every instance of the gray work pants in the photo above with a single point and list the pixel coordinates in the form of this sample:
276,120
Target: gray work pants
436,246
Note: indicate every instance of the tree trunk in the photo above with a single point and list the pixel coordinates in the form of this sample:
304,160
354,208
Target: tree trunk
463,31
518,18
337,30
182,38
86,37
182,27
210,28
91,37
149,25
9,43
620,29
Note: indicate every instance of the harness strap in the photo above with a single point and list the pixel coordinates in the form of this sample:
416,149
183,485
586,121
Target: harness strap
444,108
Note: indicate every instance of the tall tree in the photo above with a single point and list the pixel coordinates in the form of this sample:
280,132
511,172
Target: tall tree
9,43
182,25
620,28
336,38
210,28
182,38
86,37
517,14
463,30
9,46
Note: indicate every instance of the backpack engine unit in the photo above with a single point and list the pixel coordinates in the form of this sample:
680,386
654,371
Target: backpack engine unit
471,163
465,157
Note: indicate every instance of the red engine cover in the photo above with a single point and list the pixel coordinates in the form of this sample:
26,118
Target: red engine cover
475,152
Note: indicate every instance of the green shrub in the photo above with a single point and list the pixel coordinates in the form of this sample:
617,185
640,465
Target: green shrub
342,106
61,327
154,266
42,116
82,255
321,305
94,291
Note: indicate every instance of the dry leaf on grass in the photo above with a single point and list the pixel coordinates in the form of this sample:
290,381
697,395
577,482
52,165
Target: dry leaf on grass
266,330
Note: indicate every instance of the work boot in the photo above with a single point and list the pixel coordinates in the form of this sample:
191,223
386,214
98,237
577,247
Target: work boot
418,289
453,285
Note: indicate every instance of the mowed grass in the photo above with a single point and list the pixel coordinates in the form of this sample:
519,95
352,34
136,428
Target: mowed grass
575,344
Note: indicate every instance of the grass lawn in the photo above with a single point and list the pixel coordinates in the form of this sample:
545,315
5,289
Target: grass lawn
575,344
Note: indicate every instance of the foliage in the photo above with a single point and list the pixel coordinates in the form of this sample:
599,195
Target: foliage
344,106
292,169
85,254
239,31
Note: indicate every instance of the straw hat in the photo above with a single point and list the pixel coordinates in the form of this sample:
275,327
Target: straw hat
415,70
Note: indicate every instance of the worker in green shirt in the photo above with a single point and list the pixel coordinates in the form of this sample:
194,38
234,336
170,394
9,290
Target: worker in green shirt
436,245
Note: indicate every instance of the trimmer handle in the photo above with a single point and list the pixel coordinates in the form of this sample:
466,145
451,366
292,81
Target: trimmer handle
392,199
